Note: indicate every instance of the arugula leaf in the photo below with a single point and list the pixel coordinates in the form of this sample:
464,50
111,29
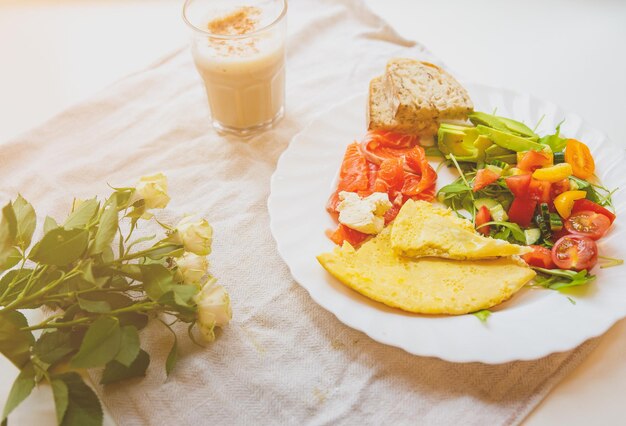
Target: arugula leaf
609,262
514,229
557,279
482,315
555,141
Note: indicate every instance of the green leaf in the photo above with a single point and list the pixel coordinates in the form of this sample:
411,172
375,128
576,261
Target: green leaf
15,343
106,229
454,188
555,141
61,247
26,222
83,406
80,217
167,250
22,387
157,280
122,196
115,371
87,270
129,348
60,393
12,258
180,296
139,321
100,344
94,306
560,279
49,224
515,229
172,357
8,232
53,346
482,315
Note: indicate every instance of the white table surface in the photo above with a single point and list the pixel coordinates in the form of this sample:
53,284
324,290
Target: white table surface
55,54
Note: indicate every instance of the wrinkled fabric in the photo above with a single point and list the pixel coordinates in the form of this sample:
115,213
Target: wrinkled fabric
283,359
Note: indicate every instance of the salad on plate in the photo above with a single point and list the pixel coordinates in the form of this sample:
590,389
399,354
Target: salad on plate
525,210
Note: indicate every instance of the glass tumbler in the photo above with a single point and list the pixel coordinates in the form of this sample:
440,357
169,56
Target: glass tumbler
239,50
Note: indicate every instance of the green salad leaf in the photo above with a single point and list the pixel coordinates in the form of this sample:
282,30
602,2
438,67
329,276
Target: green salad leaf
558,279
555,141
482,315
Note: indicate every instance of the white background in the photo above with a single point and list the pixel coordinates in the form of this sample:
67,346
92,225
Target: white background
56,53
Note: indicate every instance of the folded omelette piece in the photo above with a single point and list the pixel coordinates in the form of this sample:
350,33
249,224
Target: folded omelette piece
425,285
422,229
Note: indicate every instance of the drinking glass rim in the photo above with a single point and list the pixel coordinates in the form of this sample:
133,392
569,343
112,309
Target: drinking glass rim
233,36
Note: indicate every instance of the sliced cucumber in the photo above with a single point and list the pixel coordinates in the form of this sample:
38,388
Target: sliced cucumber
487,202
542,219
498,213
500,164
556,223
532,235
559,157
496,210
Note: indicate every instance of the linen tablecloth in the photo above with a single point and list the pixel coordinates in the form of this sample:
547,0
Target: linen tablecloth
283,359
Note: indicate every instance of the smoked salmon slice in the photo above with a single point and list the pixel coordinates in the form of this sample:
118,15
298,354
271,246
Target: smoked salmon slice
385,161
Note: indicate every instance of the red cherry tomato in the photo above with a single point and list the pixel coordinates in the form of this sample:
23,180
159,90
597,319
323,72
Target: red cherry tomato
589,224
540,257
575,252
484,177
522,210
584,204
483,216
519,184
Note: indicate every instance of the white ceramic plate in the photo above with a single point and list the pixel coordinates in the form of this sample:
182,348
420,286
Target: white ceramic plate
534,323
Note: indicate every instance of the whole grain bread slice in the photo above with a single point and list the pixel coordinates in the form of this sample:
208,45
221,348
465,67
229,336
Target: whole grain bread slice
412,95
380,115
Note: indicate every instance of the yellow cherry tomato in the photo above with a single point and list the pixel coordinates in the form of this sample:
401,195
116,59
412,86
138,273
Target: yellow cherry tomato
564,202
553,173
577,154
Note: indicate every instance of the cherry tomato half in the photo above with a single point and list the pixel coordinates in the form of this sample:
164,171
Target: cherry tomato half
575,252
584,204
577,154
589,224
540,257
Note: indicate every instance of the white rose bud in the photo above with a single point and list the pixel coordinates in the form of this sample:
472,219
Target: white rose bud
153,190
196,237
213,309
191,268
